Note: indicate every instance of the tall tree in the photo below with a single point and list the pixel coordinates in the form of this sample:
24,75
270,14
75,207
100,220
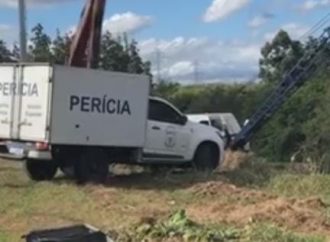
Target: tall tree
40,48
16,52
279,56
135,64
113,55
61,48
5,54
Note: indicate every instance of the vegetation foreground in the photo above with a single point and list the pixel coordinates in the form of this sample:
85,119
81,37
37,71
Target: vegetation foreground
255,202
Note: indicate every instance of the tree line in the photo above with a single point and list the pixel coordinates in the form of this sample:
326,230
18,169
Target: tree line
117,53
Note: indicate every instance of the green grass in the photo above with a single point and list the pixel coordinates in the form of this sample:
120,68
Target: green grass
301,185
5,237
271,233
180,227
120,206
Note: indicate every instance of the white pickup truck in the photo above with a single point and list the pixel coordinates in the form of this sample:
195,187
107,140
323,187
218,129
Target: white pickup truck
81,120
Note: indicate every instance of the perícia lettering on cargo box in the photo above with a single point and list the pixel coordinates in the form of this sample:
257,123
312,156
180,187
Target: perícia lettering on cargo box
19,89
99,105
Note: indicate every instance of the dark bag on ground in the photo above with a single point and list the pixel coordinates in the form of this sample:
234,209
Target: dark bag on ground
78,233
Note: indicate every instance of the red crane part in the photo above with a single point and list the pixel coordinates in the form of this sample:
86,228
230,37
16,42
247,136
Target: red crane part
85,47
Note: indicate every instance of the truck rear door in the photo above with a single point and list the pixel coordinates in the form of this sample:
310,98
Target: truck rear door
24,102
34,103
7,78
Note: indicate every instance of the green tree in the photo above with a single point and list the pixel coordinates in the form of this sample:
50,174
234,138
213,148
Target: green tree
135,64
61,48
120,55
165,89
278,57
16,52
113,57
5,54
40,49
294,127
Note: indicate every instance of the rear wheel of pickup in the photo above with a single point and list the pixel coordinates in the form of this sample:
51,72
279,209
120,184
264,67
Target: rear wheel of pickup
206,157
40,170
92,166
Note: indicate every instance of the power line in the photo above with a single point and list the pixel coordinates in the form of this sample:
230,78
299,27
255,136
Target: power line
316,27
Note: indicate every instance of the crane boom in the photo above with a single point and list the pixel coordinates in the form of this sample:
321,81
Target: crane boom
290,83
85,46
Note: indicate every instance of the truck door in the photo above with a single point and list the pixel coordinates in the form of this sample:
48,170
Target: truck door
7,79
166,137
24,102
34,103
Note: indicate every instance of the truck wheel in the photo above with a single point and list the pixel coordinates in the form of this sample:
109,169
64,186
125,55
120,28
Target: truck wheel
206,158
40,170
68,171
92,166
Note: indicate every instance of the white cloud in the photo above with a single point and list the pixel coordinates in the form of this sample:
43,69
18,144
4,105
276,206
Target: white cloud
7,33
220,9
213,60
260,20
120,23
312,4
31,3
126,22
257,21
4,28
181,68
296,31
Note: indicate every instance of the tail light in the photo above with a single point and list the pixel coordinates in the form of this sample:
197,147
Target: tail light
42,146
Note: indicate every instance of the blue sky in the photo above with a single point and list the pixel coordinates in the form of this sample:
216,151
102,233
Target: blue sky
218,39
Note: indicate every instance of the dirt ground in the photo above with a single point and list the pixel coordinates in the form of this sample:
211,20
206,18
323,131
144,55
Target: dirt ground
128,199
247,205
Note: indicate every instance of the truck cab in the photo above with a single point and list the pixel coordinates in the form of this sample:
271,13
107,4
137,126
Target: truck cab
171,136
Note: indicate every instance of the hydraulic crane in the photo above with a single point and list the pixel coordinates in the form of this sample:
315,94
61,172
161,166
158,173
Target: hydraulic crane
290,83
85,47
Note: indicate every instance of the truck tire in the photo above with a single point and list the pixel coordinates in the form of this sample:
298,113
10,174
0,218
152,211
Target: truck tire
206,158
40,170
93,166
68,170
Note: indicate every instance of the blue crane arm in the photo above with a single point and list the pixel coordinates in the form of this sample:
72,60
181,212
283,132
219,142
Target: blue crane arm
290,83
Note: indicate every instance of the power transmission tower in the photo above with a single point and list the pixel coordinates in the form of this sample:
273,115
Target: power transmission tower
196,71
158,63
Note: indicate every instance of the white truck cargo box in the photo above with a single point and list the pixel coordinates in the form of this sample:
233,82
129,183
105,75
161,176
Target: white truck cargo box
73,106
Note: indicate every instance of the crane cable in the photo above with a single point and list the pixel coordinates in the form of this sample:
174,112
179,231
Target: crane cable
316,59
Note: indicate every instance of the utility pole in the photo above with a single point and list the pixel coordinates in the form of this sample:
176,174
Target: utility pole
22,26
